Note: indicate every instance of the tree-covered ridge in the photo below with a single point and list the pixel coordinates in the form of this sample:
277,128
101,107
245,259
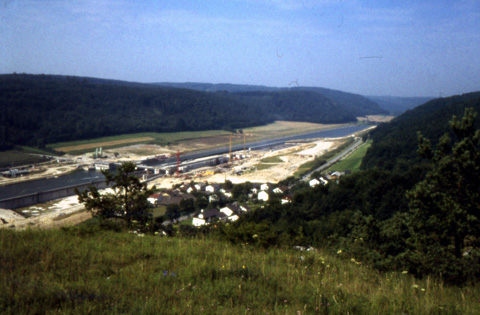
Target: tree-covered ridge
40,109
395,143
353,103
295,105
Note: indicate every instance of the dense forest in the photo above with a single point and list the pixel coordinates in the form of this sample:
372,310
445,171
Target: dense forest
353,103
40,109
395,143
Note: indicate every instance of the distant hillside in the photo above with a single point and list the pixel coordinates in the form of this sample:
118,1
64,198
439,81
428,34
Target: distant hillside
296,105
358,104
397,105
41,109
222,87
396,142
354,104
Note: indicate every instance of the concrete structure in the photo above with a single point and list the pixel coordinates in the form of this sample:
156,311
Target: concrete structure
44,196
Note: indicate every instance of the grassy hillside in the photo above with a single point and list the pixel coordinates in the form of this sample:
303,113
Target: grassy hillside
353,161
87,271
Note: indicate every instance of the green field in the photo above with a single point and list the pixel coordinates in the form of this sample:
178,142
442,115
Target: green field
84,270
155,138
279,128
353,161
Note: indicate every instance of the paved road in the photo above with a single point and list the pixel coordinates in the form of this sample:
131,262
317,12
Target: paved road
335,159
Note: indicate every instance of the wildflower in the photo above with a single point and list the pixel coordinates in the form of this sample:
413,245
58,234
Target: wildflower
339,251
404,272
415,286
423,289
223,266
244,267
255,236
328,266
353,260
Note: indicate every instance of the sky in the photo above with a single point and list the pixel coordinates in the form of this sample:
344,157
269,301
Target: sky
397,48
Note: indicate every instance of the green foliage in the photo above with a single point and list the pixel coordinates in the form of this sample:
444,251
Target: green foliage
127,202
445,205
395,143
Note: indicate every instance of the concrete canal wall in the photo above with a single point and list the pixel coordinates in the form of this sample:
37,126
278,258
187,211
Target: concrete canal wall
44,196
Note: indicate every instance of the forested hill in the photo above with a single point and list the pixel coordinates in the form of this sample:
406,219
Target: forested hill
40,109
354,104
396,142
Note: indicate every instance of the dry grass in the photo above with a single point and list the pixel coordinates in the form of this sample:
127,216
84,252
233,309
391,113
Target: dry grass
281,128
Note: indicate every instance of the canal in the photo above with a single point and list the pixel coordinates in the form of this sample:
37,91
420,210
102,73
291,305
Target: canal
82,176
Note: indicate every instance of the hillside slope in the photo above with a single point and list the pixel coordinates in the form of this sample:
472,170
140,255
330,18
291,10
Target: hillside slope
396,142
354,103
80,270
40,109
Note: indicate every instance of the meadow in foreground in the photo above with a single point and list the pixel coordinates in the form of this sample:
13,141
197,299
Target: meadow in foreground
85,270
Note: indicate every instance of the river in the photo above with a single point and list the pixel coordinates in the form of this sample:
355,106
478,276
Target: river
81,176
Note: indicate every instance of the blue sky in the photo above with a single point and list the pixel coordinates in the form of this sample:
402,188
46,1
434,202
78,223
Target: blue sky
399,48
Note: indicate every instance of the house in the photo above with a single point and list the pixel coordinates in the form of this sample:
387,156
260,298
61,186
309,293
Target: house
265,187
263,195
314,182
200,186
226,192
255,188
212,188
213,197
198,221
208,216
231,209
191,189
286,199
155,198
244,208
280,190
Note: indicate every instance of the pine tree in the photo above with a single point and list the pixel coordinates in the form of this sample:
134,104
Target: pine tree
445,206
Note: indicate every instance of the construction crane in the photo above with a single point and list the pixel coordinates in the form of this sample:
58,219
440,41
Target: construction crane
230,151
178,162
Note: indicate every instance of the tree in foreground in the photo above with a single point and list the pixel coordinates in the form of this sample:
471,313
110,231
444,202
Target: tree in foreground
445,206
127,201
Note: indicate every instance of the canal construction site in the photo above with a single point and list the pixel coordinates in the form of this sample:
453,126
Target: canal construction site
266,164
